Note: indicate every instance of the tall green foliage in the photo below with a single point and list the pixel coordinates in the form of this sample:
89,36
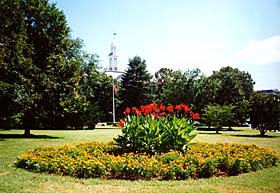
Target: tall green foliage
173,87
233,85
36,61
135,84
160,81
153,135
15,59
207,90
156,128
6,100
96,86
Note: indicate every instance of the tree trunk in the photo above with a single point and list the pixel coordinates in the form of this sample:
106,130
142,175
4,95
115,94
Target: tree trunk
262,130
27,132
218,128
230,128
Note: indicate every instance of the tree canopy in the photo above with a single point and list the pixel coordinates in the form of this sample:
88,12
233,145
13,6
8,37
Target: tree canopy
232,85
174,87
41,67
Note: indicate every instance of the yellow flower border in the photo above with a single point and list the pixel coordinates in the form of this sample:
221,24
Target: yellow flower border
94,159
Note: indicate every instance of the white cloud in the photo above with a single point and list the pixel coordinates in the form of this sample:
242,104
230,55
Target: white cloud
261,52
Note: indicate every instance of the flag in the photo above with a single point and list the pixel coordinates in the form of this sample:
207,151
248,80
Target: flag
115,89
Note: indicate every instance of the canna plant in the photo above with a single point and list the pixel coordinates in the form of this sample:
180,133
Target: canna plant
177,134
156,128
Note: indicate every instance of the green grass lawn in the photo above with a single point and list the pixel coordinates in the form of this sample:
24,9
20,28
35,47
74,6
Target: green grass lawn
18,180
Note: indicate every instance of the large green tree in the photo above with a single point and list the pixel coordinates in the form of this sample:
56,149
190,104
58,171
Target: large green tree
37,62
135,90
228,86
14,64
265,112
232,85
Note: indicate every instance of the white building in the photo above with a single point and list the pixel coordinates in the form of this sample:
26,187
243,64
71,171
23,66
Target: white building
113,58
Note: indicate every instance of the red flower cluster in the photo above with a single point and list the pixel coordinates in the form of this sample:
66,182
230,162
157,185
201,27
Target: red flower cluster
195,116
121,123
180,110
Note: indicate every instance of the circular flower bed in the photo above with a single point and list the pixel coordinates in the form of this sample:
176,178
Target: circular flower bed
94,159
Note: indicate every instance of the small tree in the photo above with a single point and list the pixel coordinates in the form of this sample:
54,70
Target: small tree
264,112
218,115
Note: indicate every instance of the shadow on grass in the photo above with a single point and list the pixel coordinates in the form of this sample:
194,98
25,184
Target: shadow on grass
202,133
22,136
236,135
256,136
214,129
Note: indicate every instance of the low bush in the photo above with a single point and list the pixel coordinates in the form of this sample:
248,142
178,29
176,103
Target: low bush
94,159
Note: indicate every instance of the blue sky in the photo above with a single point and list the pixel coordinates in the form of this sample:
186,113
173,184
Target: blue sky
183,34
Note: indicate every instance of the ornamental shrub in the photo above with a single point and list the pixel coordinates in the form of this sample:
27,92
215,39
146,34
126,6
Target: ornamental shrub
202,160
157,128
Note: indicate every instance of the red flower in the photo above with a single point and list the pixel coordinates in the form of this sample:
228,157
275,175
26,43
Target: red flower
161,110
144,110
162,107
155,115
195,116
154,105
156,110
186,108
178,107
121,123
136,111
170,109
127,111
163,114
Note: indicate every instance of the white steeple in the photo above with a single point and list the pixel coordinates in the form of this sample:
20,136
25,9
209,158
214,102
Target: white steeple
113,58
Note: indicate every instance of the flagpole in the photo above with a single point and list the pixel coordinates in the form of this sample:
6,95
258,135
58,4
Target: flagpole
113,91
